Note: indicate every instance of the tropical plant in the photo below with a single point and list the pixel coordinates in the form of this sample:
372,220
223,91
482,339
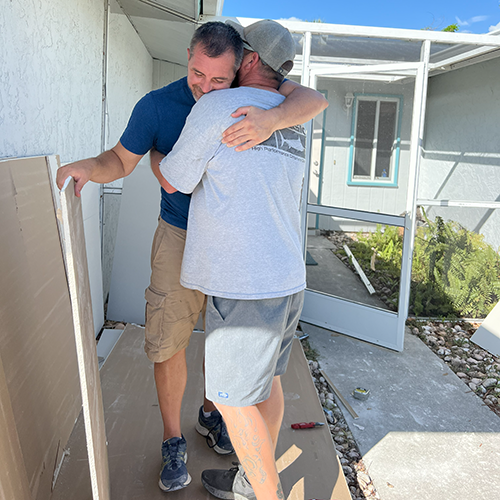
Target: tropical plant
455,273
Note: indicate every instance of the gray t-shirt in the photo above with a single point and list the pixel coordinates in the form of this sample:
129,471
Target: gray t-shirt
243,239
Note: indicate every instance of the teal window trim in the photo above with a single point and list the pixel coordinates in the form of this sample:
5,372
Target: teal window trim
378,183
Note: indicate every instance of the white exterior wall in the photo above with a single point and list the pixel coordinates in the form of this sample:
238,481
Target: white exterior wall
50,96
462,146
50,74
165,72
51,68
335,191
130,73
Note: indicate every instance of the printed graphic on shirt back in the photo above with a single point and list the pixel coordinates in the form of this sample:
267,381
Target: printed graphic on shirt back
289,141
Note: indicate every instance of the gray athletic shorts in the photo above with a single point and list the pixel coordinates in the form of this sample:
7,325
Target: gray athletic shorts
248,343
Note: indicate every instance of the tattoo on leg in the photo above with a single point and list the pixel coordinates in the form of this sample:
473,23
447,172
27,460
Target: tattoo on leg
245,431
279,491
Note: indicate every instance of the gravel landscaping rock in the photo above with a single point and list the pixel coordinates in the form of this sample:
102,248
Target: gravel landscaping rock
476,367
358,480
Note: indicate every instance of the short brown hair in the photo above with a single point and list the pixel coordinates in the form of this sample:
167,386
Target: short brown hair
217,38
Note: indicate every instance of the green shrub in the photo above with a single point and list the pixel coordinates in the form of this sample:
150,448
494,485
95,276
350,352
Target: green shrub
455,273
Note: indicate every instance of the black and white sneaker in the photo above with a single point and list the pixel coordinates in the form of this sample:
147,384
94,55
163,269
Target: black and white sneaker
214,429
229,484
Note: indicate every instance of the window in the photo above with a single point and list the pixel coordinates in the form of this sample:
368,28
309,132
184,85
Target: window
375,140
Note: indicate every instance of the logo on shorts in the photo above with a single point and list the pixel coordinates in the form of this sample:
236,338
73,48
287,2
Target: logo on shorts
224,395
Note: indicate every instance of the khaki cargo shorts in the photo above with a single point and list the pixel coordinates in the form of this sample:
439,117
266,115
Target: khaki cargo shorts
171,310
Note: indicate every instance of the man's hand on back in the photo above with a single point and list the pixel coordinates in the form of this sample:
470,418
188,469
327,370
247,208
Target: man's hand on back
256,127
301,105
156,157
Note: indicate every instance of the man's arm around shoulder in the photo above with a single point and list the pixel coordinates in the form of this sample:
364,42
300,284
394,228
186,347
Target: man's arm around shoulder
301,104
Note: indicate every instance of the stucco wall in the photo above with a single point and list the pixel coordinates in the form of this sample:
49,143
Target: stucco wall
337,135
51,63
130,73
50,95
462,146
50,78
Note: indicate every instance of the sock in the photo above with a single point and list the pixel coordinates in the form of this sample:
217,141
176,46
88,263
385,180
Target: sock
207,414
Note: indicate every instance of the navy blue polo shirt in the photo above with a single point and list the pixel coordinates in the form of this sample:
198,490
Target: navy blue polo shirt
157,121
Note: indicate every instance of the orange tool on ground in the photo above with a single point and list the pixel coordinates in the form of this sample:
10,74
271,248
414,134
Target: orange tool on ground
307,425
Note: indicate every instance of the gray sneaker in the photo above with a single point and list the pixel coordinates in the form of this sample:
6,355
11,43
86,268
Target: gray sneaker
229,484
242,488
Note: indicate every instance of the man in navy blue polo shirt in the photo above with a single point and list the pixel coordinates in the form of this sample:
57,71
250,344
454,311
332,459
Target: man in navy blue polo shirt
214,56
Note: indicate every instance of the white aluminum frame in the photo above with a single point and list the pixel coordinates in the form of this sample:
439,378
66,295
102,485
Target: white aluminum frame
359,321
458,203
484,43
382,327
388,33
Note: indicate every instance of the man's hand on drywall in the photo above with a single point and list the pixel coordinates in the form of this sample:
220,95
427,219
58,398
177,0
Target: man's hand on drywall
79,170
110,165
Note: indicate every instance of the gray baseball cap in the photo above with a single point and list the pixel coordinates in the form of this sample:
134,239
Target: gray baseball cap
271,41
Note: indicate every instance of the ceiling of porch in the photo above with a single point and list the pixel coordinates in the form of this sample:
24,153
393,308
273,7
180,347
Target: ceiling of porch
166,27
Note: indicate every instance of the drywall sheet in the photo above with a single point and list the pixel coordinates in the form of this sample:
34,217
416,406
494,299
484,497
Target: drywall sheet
90,210
107,341
36,334
139,212
307,460
13,477
88,366
488,334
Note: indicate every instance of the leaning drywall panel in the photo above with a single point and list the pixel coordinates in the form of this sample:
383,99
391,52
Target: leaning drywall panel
38,347
488,334
90,209
88,366
13,478
139,212
107,341
91,195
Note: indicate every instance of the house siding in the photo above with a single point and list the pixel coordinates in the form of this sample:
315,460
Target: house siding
461,159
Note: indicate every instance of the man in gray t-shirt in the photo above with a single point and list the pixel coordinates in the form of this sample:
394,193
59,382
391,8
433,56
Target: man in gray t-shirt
243,240
243,250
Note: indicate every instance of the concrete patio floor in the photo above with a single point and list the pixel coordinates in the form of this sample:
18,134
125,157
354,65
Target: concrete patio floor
422,433
333,277
306,459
